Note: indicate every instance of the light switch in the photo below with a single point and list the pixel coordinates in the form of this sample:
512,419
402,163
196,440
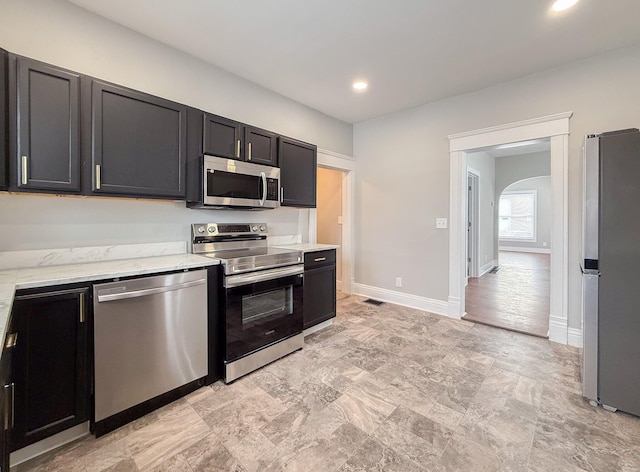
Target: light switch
441,223
340,220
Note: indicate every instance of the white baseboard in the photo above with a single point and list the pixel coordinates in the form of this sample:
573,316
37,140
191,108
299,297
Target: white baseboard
455,310
558,330
487,267
575,337
538,250
405,299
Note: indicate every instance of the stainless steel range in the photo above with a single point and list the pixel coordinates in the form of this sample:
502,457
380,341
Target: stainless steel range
261,294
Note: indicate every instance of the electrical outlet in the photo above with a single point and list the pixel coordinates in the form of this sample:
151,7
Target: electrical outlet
441,223
398,281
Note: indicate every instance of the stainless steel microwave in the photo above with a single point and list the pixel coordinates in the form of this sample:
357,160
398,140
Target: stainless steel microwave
228,183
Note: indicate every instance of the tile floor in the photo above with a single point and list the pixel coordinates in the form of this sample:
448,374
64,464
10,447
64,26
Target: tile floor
516,297
384,389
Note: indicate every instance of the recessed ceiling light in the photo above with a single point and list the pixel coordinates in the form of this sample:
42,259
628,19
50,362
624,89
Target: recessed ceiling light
561,5
360,85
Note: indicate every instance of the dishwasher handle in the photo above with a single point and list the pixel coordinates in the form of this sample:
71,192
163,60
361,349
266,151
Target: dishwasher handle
111,297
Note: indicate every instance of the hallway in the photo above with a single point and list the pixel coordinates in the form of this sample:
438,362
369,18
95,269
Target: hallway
516,297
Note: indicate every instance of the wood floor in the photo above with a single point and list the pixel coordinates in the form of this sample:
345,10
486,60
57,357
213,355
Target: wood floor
515,298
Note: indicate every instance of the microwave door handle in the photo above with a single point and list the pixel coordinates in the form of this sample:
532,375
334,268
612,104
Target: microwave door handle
263,177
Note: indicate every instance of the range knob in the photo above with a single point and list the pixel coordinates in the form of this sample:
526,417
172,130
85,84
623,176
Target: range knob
200,229
254,228
211,229
263,228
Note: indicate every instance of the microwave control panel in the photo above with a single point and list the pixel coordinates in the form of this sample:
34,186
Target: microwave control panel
272,189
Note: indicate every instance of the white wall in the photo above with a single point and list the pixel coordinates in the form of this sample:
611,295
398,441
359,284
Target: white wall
485,165
542,187
63,34
403,165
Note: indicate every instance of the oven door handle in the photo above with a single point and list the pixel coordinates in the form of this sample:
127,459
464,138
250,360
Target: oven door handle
263,177
271,274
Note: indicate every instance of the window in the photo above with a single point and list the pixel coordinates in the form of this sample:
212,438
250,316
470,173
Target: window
517,216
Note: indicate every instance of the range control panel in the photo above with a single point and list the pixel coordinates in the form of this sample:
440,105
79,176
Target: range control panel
217,229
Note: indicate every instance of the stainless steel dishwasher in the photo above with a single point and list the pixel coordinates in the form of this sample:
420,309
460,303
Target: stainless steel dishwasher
150,338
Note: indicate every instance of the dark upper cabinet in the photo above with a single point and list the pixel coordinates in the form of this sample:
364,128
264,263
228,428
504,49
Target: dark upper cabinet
138,143
46,152
298,163
50,369
260,146
4,118
223,137
319,287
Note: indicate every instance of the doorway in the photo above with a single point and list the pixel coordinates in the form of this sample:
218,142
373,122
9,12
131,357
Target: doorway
329,213
473,222
345,167
556,129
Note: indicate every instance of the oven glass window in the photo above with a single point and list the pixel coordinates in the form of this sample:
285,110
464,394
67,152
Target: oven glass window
267,304
232,185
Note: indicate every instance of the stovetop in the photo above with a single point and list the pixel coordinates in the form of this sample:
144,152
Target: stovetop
240,247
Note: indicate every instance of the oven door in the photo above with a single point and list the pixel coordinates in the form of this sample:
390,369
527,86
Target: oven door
233,183
262,308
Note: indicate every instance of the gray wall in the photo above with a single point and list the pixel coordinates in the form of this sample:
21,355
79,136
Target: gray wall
63,34
485,165
403,165
510,169
542,186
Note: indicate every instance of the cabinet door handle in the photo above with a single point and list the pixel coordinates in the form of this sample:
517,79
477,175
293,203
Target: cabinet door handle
83,316
9,405
25,170
249,151
11,341
318,259
281,194
98,177
238,149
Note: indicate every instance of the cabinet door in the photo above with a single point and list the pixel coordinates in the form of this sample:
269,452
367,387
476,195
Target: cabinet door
139,143
49,366
260,146
48,115
319,295
222,137
6,397
4,117
298,162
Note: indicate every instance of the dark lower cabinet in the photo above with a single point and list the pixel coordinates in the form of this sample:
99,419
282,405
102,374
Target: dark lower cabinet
319,287
46,154
138,143
6,396
49,368
298,165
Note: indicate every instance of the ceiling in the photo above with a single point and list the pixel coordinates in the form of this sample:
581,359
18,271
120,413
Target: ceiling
410,51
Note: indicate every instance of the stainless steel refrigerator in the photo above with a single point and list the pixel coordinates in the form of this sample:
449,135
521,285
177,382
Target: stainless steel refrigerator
611,270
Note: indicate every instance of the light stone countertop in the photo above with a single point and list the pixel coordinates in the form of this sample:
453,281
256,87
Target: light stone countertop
15,279
307,247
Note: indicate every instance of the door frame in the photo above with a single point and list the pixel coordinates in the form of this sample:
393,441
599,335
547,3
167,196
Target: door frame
473,219
556,128
346,165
